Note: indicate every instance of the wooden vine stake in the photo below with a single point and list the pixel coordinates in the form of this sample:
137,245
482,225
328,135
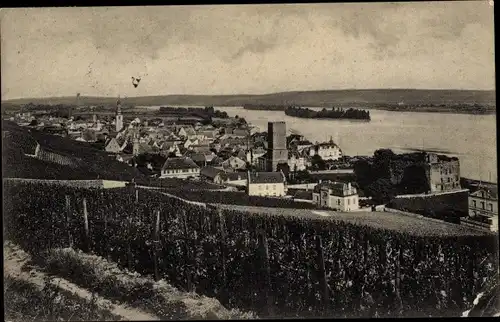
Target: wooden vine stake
322,273
86,225
266,270
397,279
188,253
68,218
222,227
156,244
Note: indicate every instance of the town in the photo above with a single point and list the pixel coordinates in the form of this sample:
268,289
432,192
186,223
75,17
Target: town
238,157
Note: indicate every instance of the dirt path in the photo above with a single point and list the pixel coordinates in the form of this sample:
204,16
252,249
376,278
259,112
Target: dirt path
15,259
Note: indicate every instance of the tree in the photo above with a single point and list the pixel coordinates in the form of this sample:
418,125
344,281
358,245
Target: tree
318,163
381,190
285,168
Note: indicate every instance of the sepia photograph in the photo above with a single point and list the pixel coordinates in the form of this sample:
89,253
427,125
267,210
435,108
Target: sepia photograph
249,161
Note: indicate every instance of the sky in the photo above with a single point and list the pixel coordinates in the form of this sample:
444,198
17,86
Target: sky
246,49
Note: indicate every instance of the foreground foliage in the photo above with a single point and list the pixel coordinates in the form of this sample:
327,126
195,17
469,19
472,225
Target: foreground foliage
107,279
26,302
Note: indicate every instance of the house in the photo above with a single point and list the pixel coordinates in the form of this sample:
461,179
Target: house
293,138
212,174
199,158
216,161
483,209
327,151
443,172
296,161
339,196
190,142
238,133
180,167
234,163
187,132
253,154
125,158
200,148
209,135
266,184
238,179
170,147
301,145
112,146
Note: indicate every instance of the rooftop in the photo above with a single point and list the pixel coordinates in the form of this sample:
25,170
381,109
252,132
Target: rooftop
210,172
179,163
266,177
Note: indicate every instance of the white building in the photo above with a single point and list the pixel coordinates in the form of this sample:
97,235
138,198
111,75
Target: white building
336,195
327,151
483,209
296,162
272,184
180,168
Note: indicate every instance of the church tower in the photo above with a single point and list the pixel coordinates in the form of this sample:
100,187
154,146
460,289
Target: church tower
277,152
119,116
135,145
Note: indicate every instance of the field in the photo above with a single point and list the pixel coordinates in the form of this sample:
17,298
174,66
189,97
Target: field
236,198
378,220
370,98
287,266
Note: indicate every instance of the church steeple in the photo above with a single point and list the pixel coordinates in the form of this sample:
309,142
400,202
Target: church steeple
119,116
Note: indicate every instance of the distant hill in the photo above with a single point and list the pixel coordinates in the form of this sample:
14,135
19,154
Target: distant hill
366,98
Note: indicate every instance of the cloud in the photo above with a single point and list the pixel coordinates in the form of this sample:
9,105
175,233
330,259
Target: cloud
246,48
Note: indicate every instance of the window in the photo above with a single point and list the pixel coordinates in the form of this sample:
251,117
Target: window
482,204
474,203
274,187
348,201
338,202
449,180
490,206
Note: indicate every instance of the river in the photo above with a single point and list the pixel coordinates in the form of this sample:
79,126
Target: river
471,138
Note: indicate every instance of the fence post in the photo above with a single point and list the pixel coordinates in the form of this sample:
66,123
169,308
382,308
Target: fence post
322,273
68,215
266,270
188,252
86,224
156,245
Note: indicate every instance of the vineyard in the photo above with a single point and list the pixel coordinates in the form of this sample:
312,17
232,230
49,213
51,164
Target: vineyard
272,265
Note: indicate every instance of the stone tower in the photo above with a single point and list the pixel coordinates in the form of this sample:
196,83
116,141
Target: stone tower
135,144
119,116
276,145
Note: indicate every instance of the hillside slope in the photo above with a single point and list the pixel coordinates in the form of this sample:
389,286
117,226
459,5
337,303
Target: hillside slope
92,163
367,97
